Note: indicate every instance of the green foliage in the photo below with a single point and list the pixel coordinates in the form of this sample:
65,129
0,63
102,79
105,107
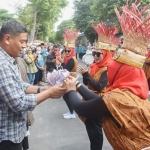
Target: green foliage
61,28
25,16
96,11
83,18
103,10
4,16
42,13
52,37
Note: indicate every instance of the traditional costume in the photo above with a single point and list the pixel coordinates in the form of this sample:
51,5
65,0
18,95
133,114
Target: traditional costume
70,62
124,107
97,81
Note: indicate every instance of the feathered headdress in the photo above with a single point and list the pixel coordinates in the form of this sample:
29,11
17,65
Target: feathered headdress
105,34
70,37
136,31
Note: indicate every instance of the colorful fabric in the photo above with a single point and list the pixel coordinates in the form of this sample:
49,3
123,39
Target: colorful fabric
66,58
127,77
133,116
106,59
14,103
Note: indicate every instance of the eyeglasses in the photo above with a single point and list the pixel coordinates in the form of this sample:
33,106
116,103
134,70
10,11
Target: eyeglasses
96,53
67,51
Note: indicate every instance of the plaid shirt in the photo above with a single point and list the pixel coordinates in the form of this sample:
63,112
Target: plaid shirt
14,103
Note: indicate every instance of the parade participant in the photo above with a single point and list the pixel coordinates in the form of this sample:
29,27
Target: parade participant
70,62
147,66
16,96
124,107
97,80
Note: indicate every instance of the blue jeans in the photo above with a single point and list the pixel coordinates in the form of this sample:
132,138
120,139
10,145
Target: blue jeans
31,77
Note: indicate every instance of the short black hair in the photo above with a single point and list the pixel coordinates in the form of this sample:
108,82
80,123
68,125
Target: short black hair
55,46
13,28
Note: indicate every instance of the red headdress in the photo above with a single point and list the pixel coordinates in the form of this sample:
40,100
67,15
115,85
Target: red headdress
70,37
105,34
136,31
126,72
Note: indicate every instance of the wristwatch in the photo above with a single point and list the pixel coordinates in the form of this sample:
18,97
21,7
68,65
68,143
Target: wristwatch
38,89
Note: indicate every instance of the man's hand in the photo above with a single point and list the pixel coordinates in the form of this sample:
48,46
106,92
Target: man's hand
56,91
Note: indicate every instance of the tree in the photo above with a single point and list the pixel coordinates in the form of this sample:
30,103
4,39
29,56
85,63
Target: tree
4,16
83,18
42,16
103,10
46,14
61,28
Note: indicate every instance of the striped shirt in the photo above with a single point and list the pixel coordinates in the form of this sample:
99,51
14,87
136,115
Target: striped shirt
14,103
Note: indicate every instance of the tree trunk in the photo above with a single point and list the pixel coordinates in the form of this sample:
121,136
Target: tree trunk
34,24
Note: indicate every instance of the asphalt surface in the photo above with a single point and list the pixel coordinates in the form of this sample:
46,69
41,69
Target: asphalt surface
51,132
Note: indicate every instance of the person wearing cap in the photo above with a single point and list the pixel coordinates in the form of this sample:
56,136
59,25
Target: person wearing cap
96,80
124,107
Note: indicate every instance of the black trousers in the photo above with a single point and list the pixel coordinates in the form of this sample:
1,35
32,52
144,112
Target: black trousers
25,143
95,133
8,145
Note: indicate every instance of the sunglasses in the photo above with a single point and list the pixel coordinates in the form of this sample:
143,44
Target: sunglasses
96,53
67,51
111,51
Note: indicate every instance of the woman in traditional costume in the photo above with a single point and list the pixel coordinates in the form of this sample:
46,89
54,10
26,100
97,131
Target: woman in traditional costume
96,79
70,62
124,107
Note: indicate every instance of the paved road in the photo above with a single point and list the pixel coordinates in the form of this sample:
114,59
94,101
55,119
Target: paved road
51,132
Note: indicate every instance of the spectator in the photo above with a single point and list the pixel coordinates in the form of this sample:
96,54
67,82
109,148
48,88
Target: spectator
40,65
51,59
16,96
31,68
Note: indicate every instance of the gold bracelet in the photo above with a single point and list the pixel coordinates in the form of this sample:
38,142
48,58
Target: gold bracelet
79,85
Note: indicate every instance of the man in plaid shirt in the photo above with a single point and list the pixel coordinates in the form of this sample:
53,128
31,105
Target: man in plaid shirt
16,96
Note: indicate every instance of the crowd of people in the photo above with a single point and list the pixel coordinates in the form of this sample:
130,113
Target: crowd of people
114,91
